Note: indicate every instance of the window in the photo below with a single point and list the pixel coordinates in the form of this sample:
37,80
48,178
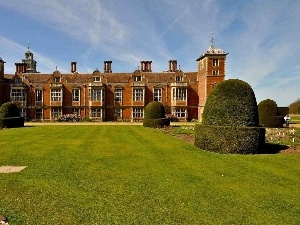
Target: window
18,95
75,95
23,112
179,94
76,111
215,62
137,112
96,95
137,78
179,79
118,113
55,112
138,95
215,72
96,112
38,114
56,79
56,95
118,95
39,95
97,79
18,80
180,113
157,95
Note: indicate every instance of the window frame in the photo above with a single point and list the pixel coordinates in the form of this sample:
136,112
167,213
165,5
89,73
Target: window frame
96,113
179,94
56,79
38,95
38,112
76,96
96,94
138,94
118,94
56,95
97,79
137,112
157,94
18,95
180,112
215,72
215,62
58,113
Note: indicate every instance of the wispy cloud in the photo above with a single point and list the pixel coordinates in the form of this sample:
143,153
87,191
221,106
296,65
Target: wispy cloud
12,51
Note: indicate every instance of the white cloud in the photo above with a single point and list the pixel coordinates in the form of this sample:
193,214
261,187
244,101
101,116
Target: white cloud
12,51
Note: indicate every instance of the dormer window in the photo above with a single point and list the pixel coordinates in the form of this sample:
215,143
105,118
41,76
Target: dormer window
97,79
179,79
137,78
56,79
18,80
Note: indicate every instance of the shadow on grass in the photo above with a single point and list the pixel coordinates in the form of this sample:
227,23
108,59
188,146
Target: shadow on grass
271,148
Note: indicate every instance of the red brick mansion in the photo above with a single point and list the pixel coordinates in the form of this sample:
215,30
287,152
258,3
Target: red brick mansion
109,96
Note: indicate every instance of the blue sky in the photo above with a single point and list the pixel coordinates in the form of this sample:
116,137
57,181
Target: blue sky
261,37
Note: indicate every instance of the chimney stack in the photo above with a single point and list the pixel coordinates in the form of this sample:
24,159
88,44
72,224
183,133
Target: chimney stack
146,66
21,67
107,66
73,67
172,65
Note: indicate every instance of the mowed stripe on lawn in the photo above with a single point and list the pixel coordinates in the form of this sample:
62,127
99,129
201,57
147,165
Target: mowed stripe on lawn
137,175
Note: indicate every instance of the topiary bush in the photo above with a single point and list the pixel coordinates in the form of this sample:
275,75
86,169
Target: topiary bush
10,116
230,120
9,109
232,102
154,115
270,115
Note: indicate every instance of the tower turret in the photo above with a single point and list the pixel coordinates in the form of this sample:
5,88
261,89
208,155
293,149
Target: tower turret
211,71
30,62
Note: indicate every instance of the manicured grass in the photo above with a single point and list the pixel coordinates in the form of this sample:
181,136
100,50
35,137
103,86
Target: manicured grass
137,175
295,119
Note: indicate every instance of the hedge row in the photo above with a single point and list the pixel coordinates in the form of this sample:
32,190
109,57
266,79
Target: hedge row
12,122
229,139
156,123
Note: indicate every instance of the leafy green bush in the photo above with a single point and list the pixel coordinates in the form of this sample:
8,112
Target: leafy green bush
282,111
154,110
230,120
154,115
9,109
229,139
12,122
267,110
270,115
232,102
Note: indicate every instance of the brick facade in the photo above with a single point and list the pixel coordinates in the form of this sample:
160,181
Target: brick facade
109,96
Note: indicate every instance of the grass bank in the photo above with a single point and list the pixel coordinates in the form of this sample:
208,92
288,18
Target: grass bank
137,175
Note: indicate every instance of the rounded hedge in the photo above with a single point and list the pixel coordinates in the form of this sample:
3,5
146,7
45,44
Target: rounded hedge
8,110
154,115
230,120
154,110
231,102
230,139
268,111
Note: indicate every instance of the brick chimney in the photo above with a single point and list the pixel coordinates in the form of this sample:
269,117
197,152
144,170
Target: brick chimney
146,66
107,66
73,67
172,65
21,67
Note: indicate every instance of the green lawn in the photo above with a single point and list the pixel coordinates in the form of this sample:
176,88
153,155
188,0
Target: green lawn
295,118
136,175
